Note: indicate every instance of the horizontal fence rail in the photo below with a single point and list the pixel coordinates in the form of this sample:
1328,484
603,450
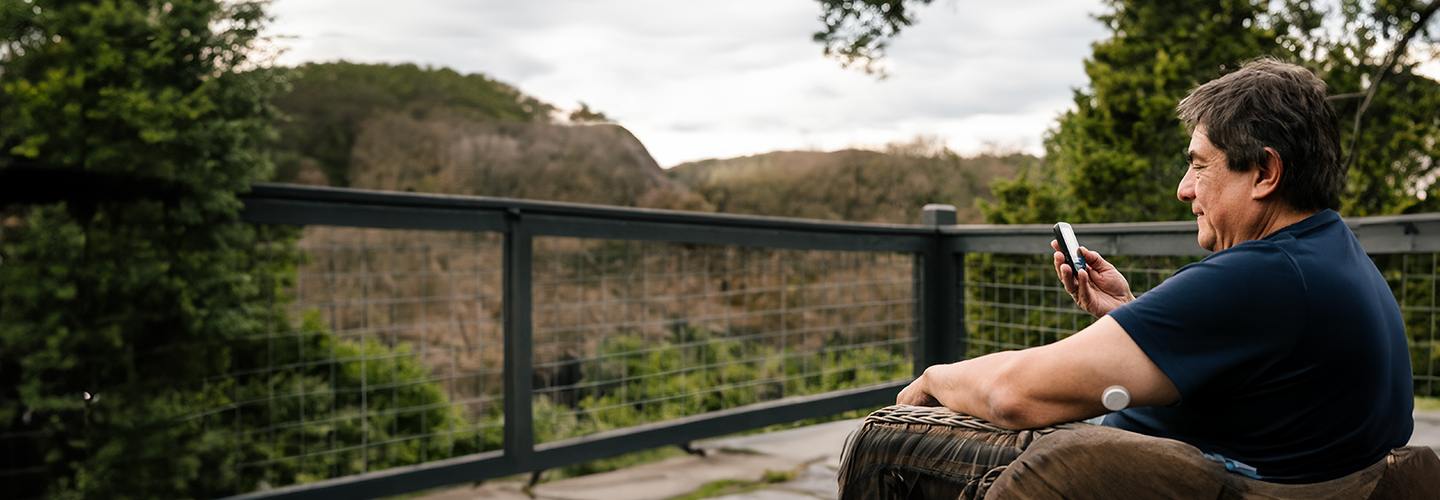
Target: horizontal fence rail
432,340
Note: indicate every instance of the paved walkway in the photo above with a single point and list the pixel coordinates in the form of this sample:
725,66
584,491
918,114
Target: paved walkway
811,453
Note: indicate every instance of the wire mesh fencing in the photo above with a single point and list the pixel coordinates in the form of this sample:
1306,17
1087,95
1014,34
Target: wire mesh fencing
384,350
387,348
1412,277
631,332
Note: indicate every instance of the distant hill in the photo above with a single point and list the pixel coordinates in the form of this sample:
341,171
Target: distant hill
599,163
405,128
329,103
851,185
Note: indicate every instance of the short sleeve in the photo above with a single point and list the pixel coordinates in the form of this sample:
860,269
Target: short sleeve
1221,322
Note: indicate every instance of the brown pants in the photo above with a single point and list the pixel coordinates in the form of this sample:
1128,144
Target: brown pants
1082,461
1094,462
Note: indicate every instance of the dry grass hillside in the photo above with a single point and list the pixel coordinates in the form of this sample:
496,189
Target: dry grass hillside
600,164
850,185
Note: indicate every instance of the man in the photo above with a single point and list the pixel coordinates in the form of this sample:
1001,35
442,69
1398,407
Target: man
1282,356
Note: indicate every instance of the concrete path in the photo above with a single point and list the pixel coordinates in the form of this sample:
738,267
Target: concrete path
811,453
1427,430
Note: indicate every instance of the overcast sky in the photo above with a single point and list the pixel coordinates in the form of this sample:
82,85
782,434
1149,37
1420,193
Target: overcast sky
719,79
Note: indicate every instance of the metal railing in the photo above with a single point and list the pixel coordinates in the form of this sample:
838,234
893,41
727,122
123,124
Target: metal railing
433,340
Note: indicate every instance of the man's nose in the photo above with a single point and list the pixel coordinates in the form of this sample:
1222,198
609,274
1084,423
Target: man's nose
1186,191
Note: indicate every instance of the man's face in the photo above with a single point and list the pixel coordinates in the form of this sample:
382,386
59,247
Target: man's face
1219,197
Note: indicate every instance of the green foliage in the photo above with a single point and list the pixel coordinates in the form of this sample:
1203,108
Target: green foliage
587,115
1412,281
632,381
1024,200
1393,162
110,310
1119,154
330,399
329,104
638,382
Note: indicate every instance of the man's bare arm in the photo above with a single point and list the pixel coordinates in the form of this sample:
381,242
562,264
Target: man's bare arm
1051,384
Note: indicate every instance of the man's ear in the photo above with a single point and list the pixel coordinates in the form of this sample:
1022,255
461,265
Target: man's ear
1267,175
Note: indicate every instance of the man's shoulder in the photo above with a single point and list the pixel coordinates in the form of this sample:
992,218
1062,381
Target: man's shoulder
1320,240
1247,261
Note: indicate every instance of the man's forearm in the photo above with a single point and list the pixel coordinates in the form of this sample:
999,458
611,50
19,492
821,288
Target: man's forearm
1060,382
976,387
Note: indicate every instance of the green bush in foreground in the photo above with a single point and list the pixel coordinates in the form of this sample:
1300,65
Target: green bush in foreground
113,305
312,405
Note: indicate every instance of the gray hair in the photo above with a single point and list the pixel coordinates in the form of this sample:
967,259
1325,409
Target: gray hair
1276,105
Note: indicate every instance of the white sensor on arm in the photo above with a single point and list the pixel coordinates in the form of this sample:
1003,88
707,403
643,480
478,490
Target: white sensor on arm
1115,398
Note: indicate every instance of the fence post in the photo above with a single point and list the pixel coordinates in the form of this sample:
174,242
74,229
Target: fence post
519,345
937,275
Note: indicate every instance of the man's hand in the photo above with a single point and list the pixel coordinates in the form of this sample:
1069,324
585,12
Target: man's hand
1098,289
917,394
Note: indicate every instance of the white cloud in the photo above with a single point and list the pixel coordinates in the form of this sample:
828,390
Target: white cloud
697,80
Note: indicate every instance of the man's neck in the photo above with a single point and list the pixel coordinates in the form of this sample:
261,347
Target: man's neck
1281,217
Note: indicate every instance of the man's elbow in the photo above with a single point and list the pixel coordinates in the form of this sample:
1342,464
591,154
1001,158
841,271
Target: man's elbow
1015,398
1012,409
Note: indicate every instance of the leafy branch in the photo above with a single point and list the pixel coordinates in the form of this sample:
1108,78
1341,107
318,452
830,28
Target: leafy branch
1385,67
857,31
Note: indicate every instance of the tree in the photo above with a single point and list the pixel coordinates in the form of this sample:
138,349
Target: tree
1389,125
587,115
1117,156
113,308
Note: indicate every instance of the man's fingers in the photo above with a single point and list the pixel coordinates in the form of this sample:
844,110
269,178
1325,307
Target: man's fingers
1067,277
1092,258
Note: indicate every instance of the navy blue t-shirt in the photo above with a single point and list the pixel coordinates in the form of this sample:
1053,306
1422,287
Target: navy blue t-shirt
1289,353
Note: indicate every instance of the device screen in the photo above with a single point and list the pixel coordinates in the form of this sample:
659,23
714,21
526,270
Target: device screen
1065,236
